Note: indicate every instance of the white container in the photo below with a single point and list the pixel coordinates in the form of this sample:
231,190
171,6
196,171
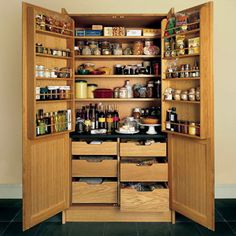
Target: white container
37,92
129,89
123,93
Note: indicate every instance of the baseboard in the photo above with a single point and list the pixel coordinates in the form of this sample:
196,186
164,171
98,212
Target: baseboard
10,191
15,191
225,191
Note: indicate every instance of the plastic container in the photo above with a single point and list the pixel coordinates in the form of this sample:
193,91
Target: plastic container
103,93
81,89
90,89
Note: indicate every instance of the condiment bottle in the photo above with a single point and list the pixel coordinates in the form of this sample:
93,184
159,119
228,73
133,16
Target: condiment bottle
129,89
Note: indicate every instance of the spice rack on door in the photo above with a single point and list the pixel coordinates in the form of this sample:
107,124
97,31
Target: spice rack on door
187,110
40,33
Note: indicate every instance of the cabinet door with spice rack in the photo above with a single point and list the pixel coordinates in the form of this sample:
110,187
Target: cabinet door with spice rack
48,112
187,111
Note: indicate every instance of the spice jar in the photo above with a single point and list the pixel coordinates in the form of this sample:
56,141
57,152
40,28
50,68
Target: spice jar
39,48
118,69
53,92
192,128
138,48
105,47
177,95
81,89
90,89
67,92
123,92
117,50
198,94
47,73
37,93
61,94
184,95
86,50
184,125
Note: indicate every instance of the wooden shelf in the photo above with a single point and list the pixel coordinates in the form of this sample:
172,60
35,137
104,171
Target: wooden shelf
181,101
54,79
181,56
116,76
188,24
51,56
183,33
179,79
117,38
53,34
53,134
53,101
117,57
185,135
117,99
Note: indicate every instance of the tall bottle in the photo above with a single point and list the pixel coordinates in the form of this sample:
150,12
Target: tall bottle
97,107
129,89
101,119
109,119
47,121
116,118
42,126
173,118
52,122
56,122
87,122
93,119
158,88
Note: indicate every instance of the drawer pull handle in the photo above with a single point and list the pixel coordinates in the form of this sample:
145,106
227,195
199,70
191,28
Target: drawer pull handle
94,161
147,165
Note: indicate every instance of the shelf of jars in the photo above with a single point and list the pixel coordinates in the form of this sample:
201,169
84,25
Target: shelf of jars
52,56
117,99
183,33
53,34
117,57
181,56
181,79
54,79
116,76
182,101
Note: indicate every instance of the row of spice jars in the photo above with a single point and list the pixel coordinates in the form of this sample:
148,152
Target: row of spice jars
146,68
53,93
187,127
107,48
182,71
52,51
193,94
53,24
42,72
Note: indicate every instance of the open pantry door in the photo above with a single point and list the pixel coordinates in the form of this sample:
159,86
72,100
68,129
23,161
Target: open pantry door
190,156
46,157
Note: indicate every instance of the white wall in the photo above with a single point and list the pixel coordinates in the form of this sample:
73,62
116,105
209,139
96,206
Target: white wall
224,64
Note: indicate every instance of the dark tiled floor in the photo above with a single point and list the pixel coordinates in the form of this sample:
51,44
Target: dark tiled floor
11,224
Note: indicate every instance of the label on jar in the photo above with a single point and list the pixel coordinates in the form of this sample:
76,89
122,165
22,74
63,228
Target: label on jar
101,119
172,117
168,125
109,120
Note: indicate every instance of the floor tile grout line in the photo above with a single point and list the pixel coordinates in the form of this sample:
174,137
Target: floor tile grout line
228,224
3,232
137,228
198,229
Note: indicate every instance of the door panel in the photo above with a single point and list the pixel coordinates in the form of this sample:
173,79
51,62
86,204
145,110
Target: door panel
192,186
45,159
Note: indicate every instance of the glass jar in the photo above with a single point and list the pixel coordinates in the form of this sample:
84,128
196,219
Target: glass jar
86,50
192,96
61,94
123,92
116,92
184,95
150,90
81,89
67,92
47,73
117,49
138,48
90,89
105,47
53,92
37,93
39,48
43,93
184,125
192,128
137,113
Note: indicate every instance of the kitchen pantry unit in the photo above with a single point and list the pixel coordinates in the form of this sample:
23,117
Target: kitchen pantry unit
52,163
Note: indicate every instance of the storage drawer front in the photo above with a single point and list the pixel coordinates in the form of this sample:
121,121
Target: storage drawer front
83,148
132,149
104,168
134,201
94,193
132,172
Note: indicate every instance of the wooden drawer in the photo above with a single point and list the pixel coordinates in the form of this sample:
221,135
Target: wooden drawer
132,172
104,168
83,148
105,192
150,201
132,149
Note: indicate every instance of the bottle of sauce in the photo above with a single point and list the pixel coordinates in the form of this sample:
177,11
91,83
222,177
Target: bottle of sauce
87,122
173,118
101,118
93,119
168,123
116,118
109,119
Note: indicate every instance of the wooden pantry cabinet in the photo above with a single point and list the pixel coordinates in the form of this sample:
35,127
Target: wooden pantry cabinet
184,164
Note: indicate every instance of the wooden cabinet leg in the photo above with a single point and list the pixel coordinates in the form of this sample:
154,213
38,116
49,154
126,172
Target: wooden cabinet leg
173,217
63,217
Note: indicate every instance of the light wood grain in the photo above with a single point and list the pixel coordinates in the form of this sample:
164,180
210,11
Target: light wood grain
133,149
83,148
105,192
112,214
132,172
150,201
104,168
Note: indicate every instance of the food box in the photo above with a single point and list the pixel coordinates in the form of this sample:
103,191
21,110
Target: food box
97,27
133,32
107,31
151,32
193,45
93,32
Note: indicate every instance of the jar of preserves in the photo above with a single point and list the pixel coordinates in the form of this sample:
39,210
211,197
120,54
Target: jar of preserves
90,89
81,89
138,48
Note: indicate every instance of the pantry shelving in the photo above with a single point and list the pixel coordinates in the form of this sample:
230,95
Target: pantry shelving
132,57
116,100
52,56
116,76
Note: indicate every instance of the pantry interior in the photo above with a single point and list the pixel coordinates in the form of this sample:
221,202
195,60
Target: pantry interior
117,176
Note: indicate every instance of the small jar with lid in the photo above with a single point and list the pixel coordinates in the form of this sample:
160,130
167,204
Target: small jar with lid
81,89
184,95
117,49
138,48
184,125
39,48
86,50
61,94
177,94
105,47
67,92
192,128
90,89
